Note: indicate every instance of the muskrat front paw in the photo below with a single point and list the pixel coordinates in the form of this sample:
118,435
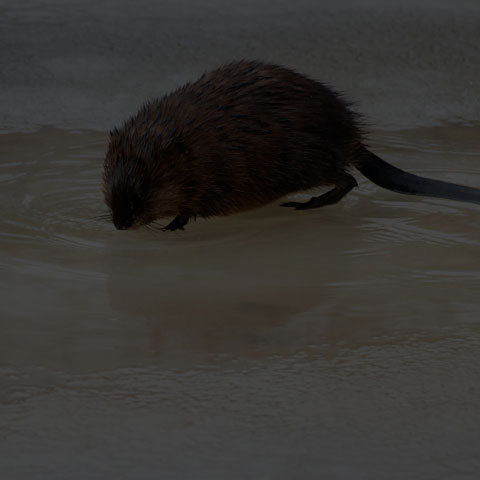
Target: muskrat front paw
177,223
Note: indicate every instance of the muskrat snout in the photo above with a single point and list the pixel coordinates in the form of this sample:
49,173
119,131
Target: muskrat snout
122,224
122,227
126,211
123,218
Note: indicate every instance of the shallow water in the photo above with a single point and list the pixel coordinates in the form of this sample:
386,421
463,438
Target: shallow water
274,343
338,343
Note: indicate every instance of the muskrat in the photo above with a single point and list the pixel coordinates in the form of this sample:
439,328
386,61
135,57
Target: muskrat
240,137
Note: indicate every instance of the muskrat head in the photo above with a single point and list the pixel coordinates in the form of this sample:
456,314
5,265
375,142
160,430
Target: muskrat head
128,192
139,183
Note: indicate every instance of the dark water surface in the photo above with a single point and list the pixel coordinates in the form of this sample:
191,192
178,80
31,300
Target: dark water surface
339,343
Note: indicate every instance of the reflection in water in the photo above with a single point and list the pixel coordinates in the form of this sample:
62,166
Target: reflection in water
286,337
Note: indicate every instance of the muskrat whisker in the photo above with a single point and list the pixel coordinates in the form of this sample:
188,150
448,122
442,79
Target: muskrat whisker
152,227
103,216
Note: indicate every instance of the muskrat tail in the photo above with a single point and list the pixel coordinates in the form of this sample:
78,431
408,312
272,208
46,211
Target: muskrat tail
392,178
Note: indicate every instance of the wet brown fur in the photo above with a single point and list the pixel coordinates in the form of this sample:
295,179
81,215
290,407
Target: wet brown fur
239,137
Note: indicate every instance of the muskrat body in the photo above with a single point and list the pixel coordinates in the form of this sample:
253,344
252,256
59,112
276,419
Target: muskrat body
239,137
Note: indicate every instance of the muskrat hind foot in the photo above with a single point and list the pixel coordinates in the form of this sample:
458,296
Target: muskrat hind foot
331,197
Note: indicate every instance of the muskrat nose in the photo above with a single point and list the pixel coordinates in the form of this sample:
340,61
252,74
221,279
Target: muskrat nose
122,224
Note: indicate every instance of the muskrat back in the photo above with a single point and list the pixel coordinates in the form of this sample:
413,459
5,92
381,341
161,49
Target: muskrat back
239,137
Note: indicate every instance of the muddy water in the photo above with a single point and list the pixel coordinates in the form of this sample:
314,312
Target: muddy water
341,343
269,344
